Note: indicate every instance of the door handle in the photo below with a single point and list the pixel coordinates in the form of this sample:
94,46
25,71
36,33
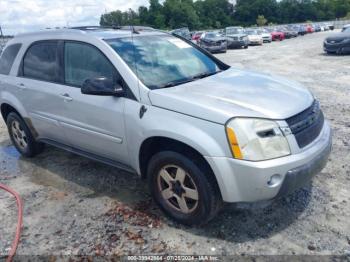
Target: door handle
66,97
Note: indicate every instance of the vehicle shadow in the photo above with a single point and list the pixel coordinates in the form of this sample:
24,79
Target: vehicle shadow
236,223
334,54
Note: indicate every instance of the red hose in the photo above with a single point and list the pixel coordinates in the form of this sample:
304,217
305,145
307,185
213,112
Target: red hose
19,222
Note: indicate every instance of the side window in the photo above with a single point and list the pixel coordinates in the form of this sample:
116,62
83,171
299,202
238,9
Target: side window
83,61
8,57
41,61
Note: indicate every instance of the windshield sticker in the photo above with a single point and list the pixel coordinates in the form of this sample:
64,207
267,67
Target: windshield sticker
179,43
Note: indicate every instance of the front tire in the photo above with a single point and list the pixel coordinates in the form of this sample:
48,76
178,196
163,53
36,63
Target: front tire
21,136
184,190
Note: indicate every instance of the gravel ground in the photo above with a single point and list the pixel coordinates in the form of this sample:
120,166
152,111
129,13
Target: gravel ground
76,206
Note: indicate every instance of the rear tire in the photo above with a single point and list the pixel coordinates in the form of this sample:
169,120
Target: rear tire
21,136
184,190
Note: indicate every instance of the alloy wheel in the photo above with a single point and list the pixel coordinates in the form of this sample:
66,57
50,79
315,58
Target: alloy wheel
178,189
19,135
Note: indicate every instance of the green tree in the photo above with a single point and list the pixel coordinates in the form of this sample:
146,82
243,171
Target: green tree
207,14
261,20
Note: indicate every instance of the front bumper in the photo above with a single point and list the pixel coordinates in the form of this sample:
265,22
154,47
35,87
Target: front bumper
247,181
336,47
237,43
256,42
220,48
267,39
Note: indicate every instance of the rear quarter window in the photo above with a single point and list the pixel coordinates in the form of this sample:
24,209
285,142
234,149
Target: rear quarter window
41,61
8,57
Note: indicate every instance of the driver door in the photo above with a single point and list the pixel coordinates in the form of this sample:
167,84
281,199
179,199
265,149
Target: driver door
93,124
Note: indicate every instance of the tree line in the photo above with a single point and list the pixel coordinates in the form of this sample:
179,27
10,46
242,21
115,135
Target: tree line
212,14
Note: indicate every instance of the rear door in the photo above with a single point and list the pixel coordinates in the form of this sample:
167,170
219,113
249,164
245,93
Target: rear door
92,123
41,91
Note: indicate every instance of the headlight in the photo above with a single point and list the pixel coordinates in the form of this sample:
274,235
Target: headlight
256,139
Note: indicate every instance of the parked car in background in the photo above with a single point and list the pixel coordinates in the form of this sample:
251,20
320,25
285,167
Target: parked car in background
266,36
236,37
330,26
213,42
345,27
288,32
309,29
254,37
301,29
317,28
196,36
276,34
338,43
183,32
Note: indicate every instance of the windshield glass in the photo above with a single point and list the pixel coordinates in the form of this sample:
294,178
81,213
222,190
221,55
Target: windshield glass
162,60
252,32
233,31
212,35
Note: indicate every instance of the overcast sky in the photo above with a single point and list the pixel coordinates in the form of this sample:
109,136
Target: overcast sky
18,16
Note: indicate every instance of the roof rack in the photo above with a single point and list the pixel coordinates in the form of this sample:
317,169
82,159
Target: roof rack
115,27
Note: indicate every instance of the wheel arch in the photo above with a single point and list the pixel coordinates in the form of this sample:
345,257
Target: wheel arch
10,103
155,144
6,109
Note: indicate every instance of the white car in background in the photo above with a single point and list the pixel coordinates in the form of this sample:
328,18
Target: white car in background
266,36
254,37
345,27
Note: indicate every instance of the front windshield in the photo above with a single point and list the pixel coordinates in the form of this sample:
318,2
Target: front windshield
163,60
233,31
252,32
212,35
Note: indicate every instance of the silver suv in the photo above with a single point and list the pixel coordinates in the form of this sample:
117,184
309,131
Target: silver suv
202,133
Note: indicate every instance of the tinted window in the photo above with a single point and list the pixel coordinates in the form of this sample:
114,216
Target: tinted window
83,61
41,61
8,57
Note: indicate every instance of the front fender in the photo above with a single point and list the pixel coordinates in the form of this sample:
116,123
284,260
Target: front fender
206,137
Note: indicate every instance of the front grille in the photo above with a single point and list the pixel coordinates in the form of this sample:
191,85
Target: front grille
334,41
307,125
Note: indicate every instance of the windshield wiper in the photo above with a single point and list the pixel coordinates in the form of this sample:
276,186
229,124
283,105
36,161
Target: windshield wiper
176,83
190,79
206,74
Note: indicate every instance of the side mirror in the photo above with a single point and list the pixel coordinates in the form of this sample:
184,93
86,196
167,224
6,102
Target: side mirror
102,86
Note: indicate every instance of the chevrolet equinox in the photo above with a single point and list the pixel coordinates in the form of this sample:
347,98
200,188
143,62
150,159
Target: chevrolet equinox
201,132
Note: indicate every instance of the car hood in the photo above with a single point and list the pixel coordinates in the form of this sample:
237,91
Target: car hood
254,36
338,37
235,35
214,39
234,93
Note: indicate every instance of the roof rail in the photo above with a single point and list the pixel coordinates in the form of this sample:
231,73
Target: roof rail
116,27
94,27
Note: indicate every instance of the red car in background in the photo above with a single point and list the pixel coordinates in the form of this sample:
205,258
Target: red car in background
310,29
276,34
196,36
